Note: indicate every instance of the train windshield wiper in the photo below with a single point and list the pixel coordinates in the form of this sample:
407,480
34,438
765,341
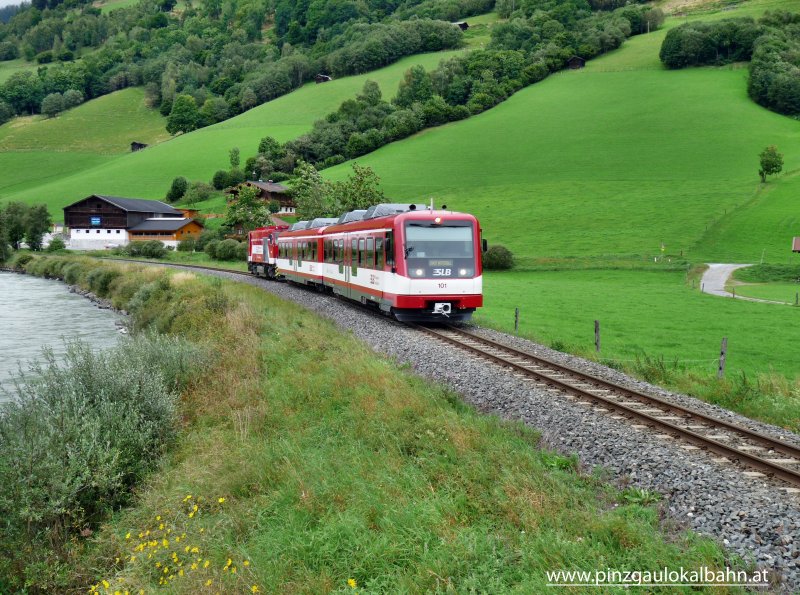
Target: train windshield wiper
408,250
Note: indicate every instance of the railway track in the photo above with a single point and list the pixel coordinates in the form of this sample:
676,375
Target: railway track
731,442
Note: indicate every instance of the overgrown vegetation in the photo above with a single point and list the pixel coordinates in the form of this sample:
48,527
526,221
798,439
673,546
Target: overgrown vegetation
772,44
252,485
769,273
21,222
205,63
498,258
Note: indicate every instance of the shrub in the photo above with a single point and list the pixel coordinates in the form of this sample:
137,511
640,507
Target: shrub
187,245
20,260
226,250
72,98
100,279
220,180
52,105
6,113
235,176
205,237
177,189
197,192
498,258
211,248
153,249
77,436
56,244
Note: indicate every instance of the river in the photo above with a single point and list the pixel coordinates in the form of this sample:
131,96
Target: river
37,313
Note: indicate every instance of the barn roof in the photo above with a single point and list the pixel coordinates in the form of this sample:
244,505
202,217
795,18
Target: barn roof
161,224
136,205
270,186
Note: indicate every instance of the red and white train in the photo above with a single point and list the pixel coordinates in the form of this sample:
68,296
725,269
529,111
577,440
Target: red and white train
414,263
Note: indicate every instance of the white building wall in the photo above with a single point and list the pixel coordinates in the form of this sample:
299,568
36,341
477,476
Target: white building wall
96,239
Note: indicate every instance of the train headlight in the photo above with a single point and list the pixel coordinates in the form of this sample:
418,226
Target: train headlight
419,272
464,272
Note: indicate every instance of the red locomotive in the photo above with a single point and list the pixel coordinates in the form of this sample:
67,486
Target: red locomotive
262,250
411,262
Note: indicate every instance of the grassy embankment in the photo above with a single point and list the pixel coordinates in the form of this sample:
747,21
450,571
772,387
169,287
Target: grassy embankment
9,67
597,169
197,155
283,480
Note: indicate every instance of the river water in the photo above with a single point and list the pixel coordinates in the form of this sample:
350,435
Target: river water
37,313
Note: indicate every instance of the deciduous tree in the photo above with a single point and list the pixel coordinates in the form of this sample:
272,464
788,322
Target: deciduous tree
247,210
310,193
771,162
184,116
37,223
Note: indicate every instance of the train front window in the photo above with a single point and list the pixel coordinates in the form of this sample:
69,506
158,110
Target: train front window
445,250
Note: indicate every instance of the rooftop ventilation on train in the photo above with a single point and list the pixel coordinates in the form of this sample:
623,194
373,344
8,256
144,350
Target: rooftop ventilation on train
322,222
386,209
299,225
357,215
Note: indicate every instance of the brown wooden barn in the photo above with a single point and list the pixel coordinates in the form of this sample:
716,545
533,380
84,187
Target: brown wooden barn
99,221
165,230
576,62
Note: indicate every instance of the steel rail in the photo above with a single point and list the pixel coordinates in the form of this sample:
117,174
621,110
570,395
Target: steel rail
789,475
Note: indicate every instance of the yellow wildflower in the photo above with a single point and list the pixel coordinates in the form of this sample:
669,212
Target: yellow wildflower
191,515
106,584
194,507
195,550
158,564
351,582
158,518
246,563
128,535
188,497
207,562
254,589
233,570
221,500
228,563
133,558
186,549
208,583
165,542
180,572
161,527
202,529
194,565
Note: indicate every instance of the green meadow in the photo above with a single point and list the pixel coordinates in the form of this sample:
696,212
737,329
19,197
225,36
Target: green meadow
106,125
197,155
9,67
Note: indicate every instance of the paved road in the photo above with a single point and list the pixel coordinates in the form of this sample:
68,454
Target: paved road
717,275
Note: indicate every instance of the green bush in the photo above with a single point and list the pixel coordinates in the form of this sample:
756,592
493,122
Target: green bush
19,260
73,273
56,244
220,180
178,188
100,279
148,249
498,258
205,237
187,245
211,248
76,437
227,250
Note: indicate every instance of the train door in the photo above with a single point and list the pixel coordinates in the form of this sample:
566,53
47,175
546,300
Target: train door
351,267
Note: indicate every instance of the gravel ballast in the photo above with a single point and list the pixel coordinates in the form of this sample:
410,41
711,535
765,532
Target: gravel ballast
754,518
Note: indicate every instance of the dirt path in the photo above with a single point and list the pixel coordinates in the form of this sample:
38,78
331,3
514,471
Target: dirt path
716,277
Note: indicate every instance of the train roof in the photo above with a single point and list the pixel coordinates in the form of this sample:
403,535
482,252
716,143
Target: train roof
379,222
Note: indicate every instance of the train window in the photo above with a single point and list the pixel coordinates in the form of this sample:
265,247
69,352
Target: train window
379,253
361,254
370,260
389,249
354,256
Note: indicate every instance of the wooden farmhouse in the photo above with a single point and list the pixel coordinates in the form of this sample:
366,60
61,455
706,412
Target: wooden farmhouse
268,191
97,222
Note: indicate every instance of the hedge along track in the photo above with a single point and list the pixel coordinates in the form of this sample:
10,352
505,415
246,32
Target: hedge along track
768,455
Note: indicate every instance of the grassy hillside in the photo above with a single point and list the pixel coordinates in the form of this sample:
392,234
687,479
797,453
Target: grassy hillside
197,155
9,67
613,159
106,125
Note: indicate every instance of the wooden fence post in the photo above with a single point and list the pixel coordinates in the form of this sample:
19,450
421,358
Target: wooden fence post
597,336
516,321
723,352
797,299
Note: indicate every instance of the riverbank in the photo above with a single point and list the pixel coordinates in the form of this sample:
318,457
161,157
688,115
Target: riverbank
306,462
